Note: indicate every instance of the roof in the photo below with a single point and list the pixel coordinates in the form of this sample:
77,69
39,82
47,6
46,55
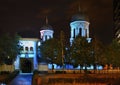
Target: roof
80,16
29,34
46,27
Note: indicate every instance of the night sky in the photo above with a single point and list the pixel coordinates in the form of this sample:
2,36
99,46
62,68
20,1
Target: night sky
28,16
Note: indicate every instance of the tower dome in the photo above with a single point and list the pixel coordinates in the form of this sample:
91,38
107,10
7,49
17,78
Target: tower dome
79,17
79,25
46,27
46,32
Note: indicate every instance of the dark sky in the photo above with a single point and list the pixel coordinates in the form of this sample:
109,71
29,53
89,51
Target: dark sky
28,16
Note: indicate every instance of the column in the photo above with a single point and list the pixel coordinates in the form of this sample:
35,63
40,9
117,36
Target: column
87,32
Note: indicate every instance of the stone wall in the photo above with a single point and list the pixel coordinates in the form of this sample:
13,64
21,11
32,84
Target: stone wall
43,67
5,67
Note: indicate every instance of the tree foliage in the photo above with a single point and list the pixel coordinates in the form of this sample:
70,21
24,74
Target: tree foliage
80,52
97,52
9,48
112,53
51,51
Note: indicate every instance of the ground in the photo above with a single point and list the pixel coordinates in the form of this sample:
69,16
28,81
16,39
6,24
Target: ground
76,79
6,76
3,76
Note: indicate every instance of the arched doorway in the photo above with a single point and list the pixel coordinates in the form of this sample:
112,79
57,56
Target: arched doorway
26,65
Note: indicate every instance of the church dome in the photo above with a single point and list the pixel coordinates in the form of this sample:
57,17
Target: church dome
79,17
47,27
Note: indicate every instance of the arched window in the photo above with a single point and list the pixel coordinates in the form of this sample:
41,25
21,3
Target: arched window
74,33
21,49
26,48
31,48
49,37
45,37
86,32
80,31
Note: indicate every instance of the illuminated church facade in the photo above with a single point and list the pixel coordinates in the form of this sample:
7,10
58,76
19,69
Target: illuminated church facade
27,60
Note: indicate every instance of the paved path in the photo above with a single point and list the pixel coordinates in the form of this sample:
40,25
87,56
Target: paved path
22,79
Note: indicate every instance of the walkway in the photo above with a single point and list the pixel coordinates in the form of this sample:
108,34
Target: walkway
22,79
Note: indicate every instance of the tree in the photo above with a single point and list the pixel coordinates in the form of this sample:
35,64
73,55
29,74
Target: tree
67,59
51,51
97,50
112,53
9,48
80,52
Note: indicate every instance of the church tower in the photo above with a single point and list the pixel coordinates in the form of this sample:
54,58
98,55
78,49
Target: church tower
46,31
79,26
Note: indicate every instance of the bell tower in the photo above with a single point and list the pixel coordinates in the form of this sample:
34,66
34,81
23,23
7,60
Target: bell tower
46,31
79,26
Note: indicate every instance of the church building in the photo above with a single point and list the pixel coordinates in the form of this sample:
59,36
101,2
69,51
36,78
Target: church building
27,60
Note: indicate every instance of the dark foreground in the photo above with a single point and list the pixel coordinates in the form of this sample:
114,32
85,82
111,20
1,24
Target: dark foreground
77,79
66,79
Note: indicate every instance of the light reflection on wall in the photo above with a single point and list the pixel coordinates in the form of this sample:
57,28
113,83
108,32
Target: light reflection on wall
30,49
27,44
70,67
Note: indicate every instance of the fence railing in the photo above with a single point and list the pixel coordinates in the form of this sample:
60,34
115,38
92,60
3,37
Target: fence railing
89,71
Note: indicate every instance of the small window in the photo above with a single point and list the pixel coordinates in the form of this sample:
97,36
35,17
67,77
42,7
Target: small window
45,37
31,48
21,49
26,48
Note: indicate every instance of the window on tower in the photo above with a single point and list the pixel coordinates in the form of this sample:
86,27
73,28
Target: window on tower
49,37
86,32
45,37
74,33
80,31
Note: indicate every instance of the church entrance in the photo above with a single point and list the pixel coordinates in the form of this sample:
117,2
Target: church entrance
26,65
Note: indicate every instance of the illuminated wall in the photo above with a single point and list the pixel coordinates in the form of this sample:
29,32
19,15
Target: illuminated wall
46,34
29,50
79,28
